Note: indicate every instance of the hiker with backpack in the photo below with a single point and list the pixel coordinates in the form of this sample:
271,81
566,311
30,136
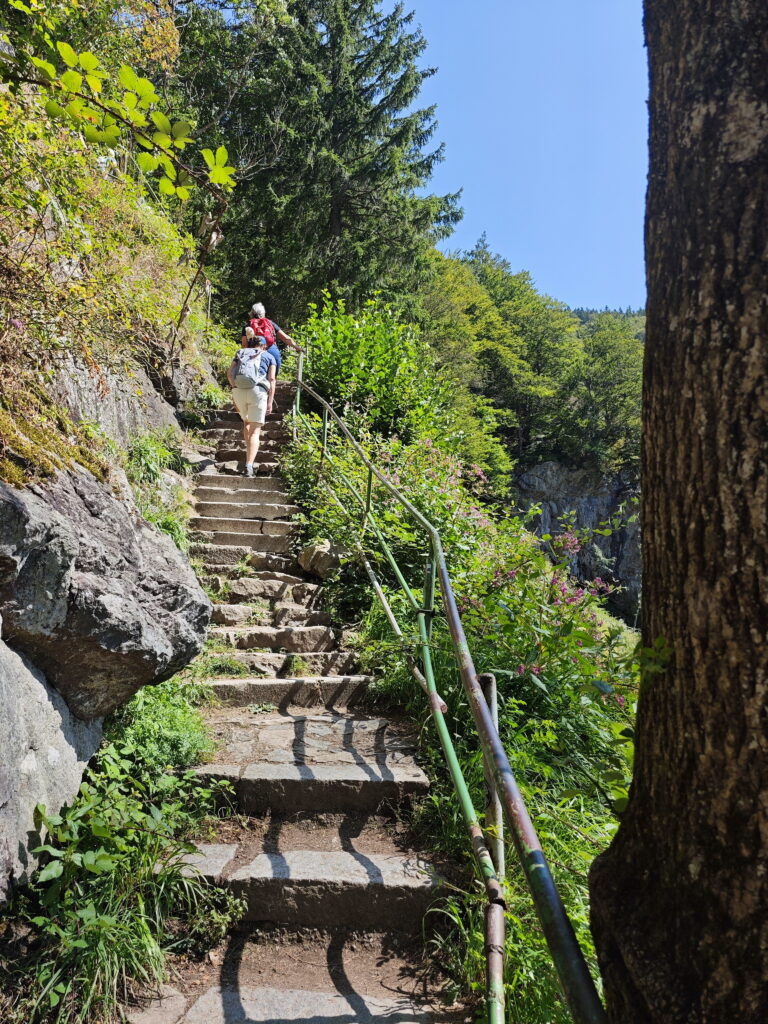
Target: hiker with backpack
251,376
268,329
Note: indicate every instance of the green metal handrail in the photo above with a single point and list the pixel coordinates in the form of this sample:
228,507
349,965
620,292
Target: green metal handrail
504,794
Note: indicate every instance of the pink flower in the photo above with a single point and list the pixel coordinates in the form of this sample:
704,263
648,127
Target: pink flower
520,669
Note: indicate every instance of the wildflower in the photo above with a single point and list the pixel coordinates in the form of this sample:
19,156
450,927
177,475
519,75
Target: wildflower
536,669
620,701
18,324
520,670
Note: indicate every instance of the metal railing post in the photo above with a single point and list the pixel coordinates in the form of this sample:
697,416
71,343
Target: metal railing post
494,816
324,441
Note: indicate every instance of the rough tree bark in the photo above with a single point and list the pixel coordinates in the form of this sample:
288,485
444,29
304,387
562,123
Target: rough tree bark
680,900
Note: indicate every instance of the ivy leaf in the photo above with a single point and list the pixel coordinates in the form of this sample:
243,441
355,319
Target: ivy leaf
72,81
221,156
52,870
128,78
166,186
68,55
162,122
209,158
147,163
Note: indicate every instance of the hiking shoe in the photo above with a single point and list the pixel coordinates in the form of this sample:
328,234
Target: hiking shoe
248,471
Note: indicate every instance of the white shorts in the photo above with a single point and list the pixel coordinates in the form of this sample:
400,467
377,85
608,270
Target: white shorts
251,403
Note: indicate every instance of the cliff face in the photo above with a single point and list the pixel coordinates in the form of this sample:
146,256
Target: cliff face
595,498
95,604
101,602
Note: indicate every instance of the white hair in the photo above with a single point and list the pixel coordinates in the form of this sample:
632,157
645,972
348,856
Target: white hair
258,309
249,332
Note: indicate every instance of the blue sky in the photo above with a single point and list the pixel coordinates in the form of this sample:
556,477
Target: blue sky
542,107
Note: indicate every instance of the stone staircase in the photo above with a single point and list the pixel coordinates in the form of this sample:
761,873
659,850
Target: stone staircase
335,895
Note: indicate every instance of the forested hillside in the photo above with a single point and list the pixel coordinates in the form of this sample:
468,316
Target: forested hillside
164,166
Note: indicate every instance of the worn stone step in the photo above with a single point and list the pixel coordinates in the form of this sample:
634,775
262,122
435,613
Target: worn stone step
235,467
273,587
293,639
266,565
237,453
290,761
282,665
306,692
315,889
219,554
269,432
245,509
242,486
248,527
255,1004
280,614
261,542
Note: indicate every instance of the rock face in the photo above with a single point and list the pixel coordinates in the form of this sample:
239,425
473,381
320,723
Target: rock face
97,599
45,749
595,498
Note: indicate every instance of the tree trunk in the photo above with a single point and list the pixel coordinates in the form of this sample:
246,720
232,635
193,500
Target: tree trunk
680,900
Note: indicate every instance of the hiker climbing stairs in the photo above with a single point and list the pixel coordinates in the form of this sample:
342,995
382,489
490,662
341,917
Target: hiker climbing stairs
335,895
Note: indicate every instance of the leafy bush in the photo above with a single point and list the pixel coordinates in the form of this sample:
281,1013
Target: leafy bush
161,502
567,681
112,891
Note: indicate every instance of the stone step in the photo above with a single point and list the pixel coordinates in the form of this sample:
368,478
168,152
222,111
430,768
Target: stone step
248,527
284,666
242,486
285,762
267,566
314,889
235,467
261,542
305,692
280,614
269,432
237,453
293,639
245,509
274,587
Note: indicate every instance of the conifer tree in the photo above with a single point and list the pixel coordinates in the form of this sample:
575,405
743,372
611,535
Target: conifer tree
341,205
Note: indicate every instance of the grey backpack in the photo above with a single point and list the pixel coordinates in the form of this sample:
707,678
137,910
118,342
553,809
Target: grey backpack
249,372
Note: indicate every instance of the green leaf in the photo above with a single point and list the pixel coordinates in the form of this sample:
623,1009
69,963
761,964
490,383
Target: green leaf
147,163
145,142
48,69
112,133
146,89
130,99
72,81
88,61
52,870
68,55
162,140
209,158
182,192
54,109
128,78
166,186
162,122
93,134
94,83
221,156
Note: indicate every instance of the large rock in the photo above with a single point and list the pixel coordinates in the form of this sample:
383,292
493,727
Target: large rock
322,558
44,752
99,600
595,498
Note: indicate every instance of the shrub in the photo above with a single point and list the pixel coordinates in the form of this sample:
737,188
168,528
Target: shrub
566,678
106,905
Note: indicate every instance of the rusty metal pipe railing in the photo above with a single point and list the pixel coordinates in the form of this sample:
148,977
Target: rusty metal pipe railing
578,986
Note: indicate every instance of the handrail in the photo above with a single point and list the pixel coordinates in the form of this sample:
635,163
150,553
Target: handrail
577,983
